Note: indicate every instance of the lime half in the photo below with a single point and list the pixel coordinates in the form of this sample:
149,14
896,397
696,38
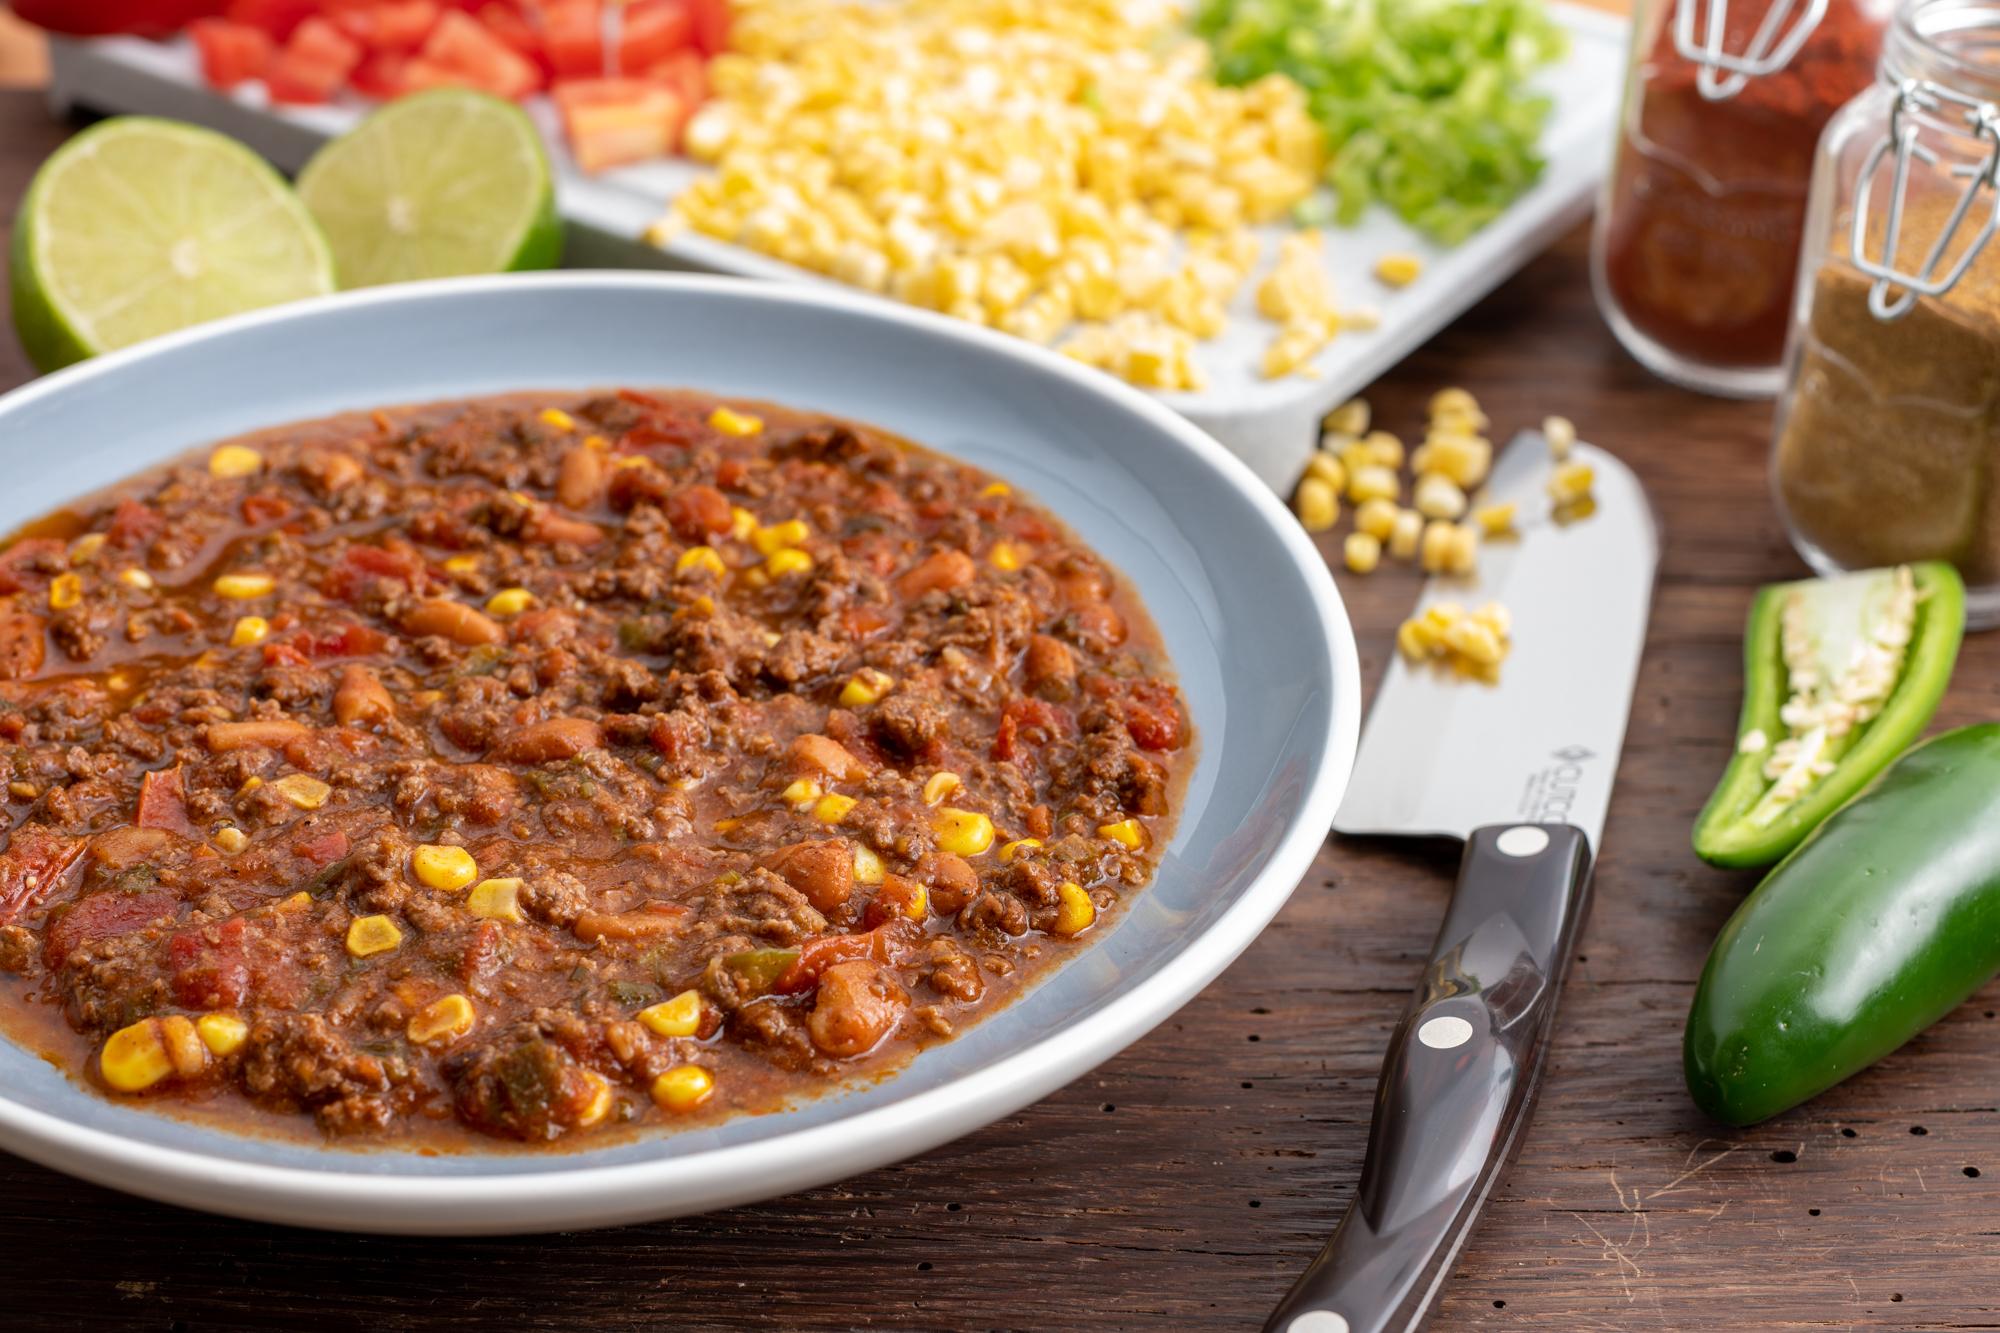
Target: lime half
138,227
446,182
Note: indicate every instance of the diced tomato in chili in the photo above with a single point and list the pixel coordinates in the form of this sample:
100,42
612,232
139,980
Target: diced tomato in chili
231,53
163,802
101,916
265,508
207,968
322,848
360,566
14,574
1153,715
482,953
388,25
459,44
33,865
133,524
1029,723
283,654
891,942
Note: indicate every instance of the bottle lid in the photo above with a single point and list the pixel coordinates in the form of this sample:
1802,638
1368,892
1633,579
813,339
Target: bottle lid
1721,75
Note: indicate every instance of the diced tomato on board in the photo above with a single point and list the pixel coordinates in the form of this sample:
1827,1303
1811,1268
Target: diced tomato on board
231,53
573,38
277,18
394,26
460,46
653,31
314,64
613,122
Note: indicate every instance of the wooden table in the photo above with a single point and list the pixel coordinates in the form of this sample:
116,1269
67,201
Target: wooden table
1184,1183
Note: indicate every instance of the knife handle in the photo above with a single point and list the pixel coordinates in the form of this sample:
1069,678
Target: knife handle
1457,1083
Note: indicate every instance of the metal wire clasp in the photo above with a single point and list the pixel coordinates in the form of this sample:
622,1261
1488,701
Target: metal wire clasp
1722,76
1982,119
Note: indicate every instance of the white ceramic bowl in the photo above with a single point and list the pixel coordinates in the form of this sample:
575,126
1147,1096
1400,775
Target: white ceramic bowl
1255,628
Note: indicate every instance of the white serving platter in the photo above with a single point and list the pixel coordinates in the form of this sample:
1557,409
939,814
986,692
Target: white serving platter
1271,424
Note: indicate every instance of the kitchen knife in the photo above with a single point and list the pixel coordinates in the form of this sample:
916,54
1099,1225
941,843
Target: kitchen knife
1522,771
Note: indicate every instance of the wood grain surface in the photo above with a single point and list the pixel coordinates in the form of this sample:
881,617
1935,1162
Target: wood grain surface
1185,1182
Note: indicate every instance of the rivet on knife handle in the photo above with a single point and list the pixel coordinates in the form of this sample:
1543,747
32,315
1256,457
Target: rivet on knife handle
1457,1083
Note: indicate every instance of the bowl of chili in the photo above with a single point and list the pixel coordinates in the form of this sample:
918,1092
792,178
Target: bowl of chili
1248,626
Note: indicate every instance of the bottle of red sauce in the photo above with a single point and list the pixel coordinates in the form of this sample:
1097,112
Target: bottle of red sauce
1696,248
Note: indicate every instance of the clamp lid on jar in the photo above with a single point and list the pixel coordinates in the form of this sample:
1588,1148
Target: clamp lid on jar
1721,75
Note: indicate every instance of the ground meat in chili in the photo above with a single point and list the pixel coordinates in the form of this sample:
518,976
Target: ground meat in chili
533,765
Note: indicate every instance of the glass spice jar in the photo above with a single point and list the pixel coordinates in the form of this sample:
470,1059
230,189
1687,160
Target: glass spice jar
1887,440
1696,243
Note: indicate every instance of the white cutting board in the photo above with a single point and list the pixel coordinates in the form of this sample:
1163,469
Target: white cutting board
1271,424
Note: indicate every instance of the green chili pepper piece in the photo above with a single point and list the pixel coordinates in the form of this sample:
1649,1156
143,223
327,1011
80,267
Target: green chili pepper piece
1882,922
761,968
1747,822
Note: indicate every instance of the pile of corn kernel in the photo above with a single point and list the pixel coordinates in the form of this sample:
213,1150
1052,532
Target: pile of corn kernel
1058,169
1445,523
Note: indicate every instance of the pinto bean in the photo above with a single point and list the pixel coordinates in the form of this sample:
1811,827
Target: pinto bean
23,645
643,923
551,528
541,742
823,871
859,1004
940,569
264,733
127,845
360,699
814,753
327,472
581,479
452,620
951,879
1096,625
1050,667
698,511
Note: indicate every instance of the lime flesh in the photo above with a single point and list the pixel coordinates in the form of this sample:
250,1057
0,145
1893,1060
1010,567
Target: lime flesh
444,183
137,227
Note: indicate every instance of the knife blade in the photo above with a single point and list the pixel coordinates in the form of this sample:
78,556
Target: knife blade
1522,771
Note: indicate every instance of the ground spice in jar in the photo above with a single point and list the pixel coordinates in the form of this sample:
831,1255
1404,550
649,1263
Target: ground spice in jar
1889,446
1708,198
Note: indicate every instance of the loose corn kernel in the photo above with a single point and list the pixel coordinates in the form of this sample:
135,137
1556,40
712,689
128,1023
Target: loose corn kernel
1126,831
801,793
135,578
1373,482
65,591
868,867
235,460
1350,418
1010,850
780,536
1384,448
865,687
461,564
1377,518
683,1088
1415,640
1075,911
441,1020
296,902
243,587
249,630
223,1034
788,561
1398,270
1438,496
1439,546
134,1058
1362,552
231,839
302,790
250,784
732,422
994,490
1405,534
1561,435
85,548
1005,556
495,899
26,791
1496,617
599,1105
701,558
1495,520
962,832
368,935
183,1045
443,867
1455,402
1475,641
938,786
558,418
1317,505
1570,484
678,1017
742,523
509,602
1325,465
1466,459
832,808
